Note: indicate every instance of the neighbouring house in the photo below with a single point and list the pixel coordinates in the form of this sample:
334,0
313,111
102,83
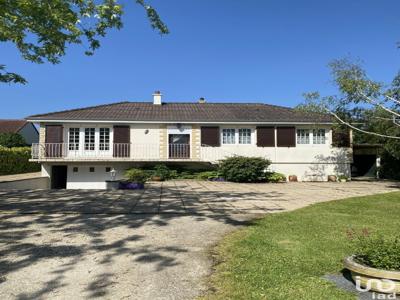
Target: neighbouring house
78,148
26,129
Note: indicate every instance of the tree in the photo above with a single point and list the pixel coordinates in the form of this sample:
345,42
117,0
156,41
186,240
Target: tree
362,104
370,108
10,140
42,29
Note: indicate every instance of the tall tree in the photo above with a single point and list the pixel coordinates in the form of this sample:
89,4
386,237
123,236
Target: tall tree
42,29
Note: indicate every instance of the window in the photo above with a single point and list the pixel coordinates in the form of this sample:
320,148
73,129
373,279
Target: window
73,139
75,169
319,136
228,136
303,136
244,136
89,138
91,169
104,139
108,169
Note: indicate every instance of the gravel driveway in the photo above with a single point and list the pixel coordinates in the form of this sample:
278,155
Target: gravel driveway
135,245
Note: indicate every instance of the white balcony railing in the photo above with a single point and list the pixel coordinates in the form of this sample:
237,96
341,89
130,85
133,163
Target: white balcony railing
178,151
78,151
131,151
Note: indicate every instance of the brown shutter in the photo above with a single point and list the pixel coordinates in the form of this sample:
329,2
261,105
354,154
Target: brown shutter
286,136
121,141
210,136
265,136
340,138
53,141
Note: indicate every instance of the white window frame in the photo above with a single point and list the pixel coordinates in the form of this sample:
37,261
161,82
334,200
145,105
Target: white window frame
82,151
303,139
88,146
318,139
244,140
105,146
74,140
236,130
230,130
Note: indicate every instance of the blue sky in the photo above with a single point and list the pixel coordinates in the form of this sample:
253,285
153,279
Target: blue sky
223,50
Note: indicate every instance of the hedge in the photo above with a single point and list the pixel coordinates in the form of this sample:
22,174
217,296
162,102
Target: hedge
16,161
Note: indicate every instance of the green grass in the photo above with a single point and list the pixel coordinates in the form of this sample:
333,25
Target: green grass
284,256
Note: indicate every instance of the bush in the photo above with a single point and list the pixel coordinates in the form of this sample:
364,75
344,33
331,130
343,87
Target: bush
162,171
390,167
16,161
11,140
207,175
186,175
274,177
136,175
243,169
376,251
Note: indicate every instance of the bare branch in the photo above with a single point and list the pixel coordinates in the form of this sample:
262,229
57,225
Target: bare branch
361,130
374,102
393,99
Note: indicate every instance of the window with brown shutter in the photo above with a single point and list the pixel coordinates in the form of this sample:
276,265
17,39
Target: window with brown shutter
286,136
265,136
53,141
121,141
210,136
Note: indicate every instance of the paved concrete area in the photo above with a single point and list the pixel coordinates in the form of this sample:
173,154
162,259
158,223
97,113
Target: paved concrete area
149,244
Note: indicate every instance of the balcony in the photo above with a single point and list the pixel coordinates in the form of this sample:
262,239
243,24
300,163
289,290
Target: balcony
106,152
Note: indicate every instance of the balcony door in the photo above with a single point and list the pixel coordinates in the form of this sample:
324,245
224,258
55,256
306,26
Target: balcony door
89,146
179,146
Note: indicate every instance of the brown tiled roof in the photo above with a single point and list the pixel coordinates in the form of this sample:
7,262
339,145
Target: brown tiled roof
185,112
11,126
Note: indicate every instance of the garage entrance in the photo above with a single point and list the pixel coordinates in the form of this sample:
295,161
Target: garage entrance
59,177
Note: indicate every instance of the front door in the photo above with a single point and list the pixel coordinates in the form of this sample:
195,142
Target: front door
59,177
179,146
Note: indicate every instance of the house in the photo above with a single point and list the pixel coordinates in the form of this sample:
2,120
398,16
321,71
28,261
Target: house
26,129
78,148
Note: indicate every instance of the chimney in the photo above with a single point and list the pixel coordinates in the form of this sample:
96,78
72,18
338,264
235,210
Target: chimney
157,98
202,100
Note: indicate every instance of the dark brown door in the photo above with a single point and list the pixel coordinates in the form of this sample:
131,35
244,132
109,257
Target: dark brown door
54,141
59,177
121,141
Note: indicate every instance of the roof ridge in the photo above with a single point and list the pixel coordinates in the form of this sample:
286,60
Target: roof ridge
217,103
76,109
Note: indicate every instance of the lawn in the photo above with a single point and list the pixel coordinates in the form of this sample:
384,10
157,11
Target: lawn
285,255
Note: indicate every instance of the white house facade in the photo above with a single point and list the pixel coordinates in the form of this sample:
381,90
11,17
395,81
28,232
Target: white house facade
79,148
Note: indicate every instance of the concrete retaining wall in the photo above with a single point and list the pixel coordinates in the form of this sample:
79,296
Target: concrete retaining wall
26,184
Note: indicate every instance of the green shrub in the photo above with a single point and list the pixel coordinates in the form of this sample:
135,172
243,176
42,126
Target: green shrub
16,161
274,177
136,175
162,171
186,175
243,169
376,251
11,140
173,174
207,175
